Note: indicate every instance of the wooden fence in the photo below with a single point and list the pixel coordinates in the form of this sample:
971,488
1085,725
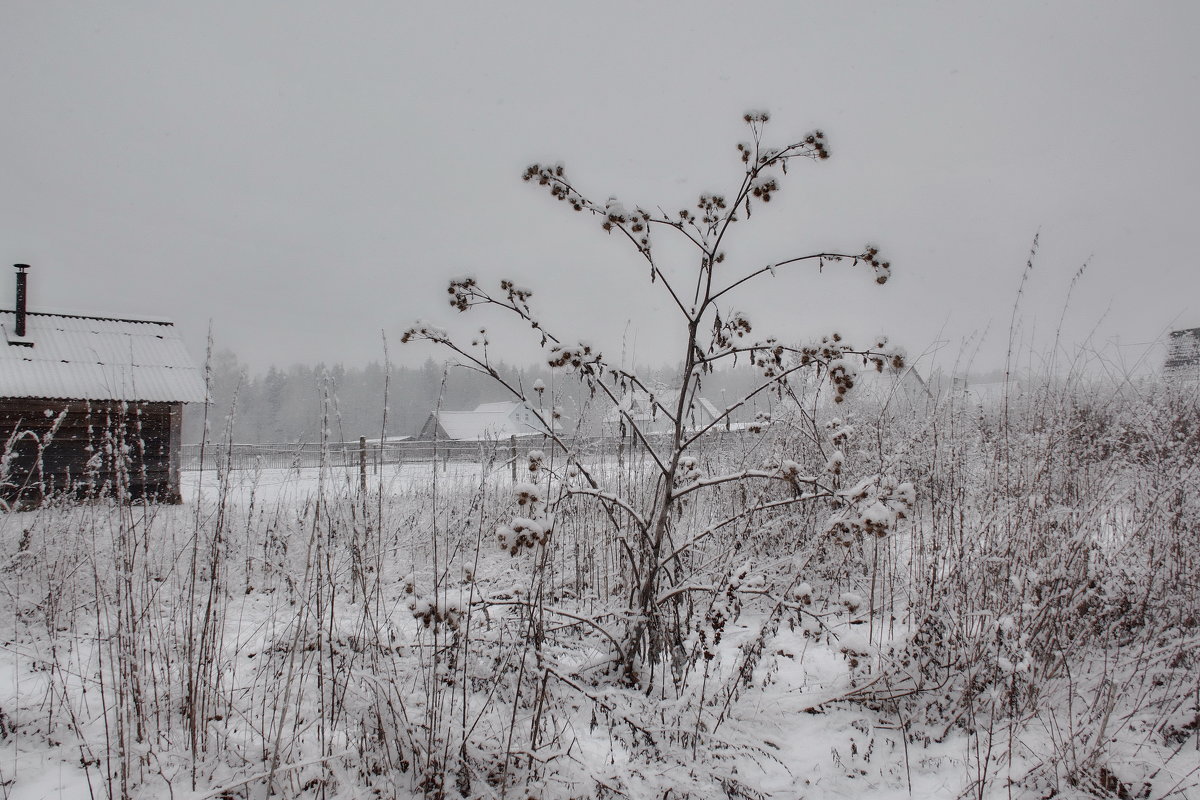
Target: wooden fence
374,453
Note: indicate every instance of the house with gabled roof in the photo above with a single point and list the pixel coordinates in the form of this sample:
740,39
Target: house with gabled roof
488,422
902,388
644,409
90,404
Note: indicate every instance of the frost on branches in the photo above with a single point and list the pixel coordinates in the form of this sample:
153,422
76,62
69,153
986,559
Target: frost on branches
678,577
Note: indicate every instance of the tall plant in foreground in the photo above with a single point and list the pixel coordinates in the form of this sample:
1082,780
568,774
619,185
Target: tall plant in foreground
671,617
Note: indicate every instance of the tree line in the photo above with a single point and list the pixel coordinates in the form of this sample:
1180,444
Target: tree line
292,404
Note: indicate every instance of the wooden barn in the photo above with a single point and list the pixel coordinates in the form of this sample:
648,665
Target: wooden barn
90,405
1183,356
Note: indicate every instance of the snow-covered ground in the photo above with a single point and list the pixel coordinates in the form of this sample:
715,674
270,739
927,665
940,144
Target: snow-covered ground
282,629
275,486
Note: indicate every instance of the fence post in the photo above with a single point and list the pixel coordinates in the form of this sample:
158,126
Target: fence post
512,452
362,464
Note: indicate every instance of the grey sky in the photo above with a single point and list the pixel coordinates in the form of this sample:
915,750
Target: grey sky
306,175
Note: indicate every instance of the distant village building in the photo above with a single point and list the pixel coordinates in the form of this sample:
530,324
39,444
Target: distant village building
1183,356
891,389
642,409
898,389
488,422
90,404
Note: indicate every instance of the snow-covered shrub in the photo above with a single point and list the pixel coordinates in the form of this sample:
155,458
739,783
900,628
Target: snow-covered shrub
1049,568
656,552
647,568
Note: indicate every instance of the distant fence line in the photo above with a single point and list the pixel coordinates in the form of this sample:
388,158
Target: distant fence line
374,453
278,455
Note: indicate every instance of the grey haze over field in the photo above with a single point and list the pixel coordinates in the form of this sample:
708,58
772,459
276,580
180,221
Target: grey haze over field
308,175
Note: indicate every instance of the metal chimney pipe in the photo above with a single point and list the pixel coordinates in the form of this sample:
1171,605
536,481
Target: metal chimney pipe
21,292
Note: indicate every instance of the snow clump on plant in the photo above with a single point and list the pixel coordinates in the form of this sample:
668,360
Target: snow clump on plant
531,527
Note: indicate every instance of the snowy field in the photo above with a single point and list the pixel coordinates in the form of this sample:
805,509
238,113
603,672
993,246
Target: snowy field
1029,627
275,486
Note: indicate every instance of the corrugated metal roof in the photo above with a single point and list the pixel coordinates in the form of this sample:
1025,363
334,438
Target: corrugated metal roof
96,358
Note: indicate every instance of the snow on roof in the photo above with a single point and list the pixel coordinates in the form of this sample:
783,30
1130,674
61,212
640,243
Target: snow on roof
504,407
703,403
902,384
636,403
477,426
61,311
76,357
491,421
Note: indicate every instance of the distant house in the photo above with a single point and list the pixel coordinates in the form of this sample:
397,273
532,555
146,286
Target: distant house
898,389
642,408
488,422
1183,356
90,404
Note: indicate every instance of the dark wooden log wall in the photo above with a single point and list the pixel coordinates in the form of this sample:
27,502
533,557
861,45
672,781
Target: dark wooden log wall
89,448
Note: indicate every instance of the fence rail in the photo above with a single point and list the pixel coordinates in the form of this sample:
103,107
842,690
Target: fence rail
351,454
375,453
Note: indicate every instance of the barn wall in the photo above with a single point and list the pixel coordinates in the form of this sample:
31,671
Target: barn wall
1183,355
87,447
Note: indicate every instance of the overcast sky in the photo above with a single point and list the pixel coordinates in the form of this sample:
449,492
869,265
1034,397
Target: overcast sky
308,175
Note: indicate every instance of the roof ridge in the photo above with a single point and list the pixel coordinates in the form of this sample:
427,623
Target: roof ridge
69,315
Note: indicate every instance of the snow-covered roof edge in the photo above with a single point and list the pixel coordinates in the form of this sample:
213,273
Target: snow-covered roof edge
78,357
